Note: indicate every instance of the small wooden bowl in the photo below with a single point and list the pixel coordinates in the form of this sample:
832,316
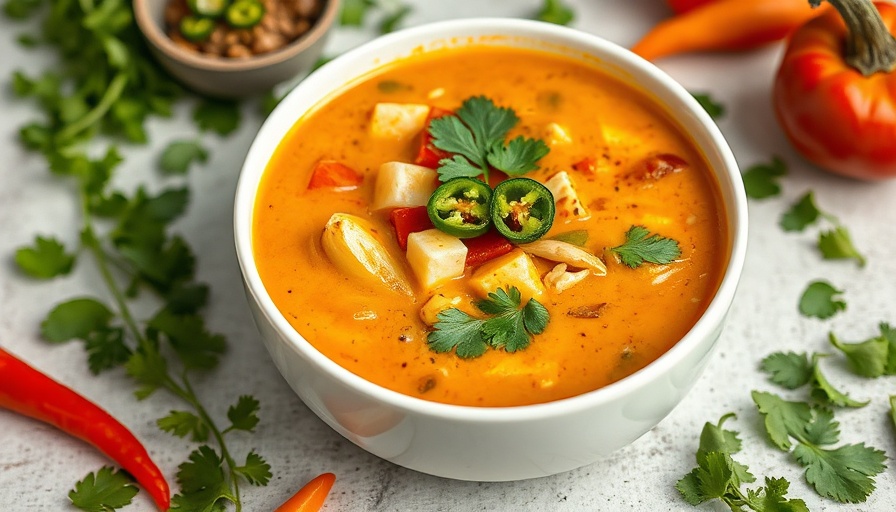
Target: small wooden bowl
223,77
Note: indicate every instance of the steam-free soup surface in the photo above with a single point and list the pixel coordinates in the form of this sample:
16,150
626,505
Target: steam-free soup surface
600,330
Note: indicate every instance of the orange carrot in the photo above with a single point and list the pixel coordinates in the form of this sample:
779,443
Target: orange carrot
333,174
725,25
311,497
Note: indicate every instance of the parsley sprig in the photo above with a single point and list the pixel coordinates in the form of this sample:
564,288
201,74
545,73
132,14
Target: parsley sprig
476,135
719,476
640,246
507,325
106,83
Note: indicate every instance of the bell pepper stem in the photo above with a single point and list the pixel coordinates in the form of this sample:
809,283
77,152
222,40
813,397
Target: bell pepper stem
870,47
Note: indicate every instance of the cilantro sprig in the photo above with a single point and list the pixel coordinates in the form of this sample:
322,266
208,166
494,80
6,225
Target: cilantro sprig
506,325
845,473
719,476
476,134
834,243
873,357
107,489
761,179
793,370
640,246
821,300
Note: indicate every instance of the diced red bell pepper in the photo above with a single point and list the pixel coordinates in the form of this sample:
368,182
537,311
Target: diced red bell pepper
587,165
409,220
333,174
486,247
655,167
429,155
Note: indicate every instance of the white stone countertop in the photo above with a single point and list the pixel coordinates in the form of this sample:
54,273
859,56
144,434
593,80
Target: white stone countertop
39,464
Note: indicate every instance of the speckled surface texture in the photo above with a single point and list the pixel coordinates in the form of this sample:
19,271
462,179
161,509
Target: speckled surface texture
38,465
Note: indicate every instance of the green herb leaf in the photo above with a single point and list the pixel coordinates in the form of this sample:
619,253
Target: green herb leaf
256,470
354,12
555,11
106,490
476,135
639,247
819,300
21,9
836,244
182,423
715,109
868,358
202,483
507,325
801,214
714,438
196,346
179,155
790,370
761,180
772,498
269,100
825,390
244,415
221,117
846,473
893,410
395,18
106,349
149,369
75,319
46,259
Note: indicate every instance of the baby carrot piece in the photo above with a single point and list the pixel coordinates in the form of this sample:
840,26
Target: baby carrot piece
28,392
725,25
311,497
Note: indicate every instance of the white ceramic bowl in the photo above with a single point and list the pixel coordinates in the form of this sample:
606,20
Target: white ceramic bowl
491,444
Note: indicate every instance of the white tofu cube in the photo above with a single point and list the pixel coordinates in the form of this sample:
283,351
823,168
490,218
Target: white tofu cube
557,134
399,184
398,120
512,269
569,207
435,257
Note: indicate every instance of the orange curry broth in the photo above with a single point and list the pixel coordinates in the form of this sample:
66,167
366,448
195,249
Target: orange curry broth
646,309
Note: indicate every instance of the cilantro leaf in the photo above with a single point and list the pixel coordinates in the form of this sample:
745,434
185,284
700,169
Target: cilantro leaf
181,423
714,438
819,300
773,499
507,325
106,349
354,11
639,247
555,11
893,410
47,258
75,319
709,480
243,415
457,330
106,490
826,391
761,180
186,298
395,18
21,9
801,214
715,109
846,473
519,156
890,334
790,370
196,346
221,117
476,135
868,358
836,244
202,482
180,154
147,366
256,470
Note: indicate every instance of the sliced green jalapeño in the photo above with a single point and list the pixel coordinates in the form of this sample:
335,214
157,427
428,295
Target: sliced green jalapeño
522,210
244,13
460,207
195,28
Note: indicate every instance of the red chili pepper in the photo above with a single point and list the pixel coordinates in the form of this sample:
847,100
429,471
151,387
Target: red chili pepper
333,174
486,247
409,220
682,6
835,91
311,497
28,392
429,155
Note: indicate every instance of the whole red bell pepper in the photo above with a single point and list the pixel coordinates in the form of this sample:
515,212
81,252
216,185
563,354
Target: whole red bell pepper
31,393
835,91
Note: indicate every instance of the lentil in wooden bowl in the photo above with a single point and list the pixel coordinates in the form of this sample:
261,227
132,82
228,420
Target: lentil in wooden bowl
235,48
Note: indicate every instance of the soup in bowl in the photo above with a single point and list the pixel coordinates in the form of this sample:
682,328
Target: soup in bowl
490,249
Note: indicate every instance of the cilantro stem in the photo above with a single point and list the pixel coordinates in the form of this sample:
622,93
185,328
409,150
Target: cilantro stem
113,92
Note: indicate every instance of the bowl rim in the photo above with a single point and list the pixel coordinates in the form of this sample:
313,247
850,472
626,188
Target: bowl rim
152,31
712,317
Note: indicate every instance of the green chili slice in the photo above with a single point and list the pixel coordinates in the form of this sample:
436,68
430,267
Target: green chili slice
460,207
208,8
195,28
522,210
244,13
